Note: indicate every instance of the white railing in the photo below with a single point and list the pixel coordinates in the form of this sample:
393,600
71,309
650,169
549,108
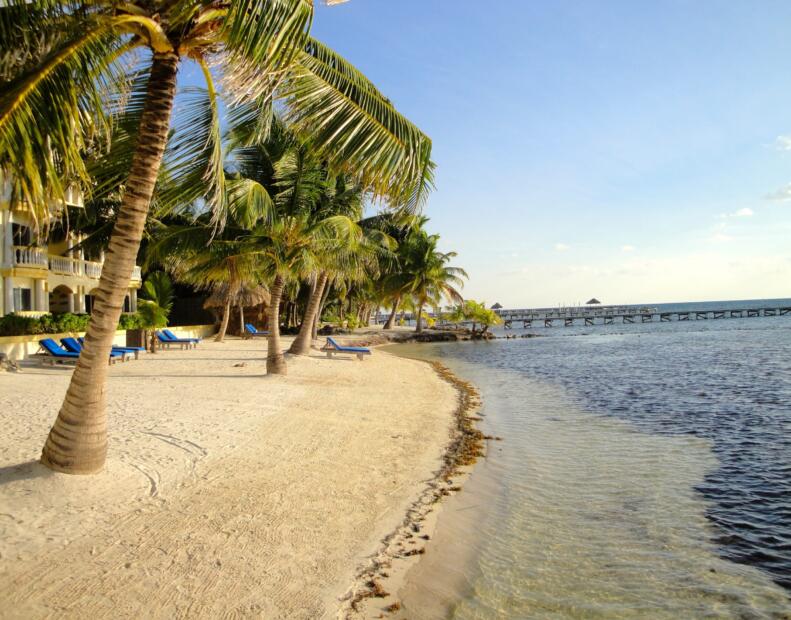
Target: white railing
136,273
30,257
92,270
65,265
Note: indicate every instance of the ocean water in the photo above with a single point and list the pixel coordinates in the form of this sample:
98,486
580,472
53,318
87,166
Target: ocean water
644,472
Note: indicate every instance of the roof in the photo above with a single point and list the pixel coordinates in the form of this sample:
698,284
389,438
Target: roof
496,307
592,301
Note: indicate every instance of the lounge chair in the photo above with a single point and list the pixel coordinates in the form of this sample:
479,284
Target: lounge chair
332,347
174,338
74,346
136,351
169,342
53,353
253,332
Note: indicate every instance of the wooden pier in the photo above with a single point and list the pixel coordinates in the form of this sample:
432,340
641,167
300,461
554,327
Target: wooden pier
611,315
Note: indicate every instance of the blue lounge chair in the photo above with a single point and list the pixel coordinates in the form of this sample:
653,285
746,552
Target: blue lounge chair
56,353
169,334
250,329
332,347
136,351
73,345
169,342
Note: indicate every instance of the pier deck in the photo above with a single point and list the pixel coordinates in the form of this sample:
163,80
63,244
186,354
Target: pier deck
612,315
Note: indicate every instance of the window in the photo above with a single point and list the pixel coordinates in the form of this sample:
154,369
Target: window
21,234
23,299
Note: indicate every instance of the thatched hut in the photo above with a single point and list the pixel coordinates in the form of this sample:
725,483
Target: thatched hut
254,299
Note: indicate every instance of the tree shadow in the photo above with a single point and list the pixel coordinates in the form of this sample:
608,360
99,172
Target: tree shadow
29,470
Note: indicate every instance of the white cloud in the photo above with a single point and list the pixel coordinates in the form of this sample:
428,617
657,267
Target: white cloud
745,212
628,248
561,247
782,195
719,235
783,143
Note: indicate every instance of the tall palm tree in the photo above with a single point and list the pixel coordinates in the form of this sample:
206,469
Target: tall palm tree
63,61
424,273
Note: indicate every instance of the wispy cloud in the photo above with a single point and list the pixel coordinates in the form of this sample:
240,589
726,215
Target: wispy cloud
781,195
628,248
561,247
719,235
745,212
783,143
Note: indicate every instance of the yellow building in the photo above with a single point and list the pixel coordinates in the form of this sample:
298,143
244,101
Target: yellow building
36,278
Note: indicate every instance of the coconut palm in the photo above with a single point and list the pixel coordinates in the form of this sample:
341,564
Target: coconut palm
425,274
155,304
64,69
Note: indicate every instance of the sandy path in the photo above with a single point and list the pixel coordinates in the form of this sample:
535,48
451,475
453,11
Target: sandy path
227,493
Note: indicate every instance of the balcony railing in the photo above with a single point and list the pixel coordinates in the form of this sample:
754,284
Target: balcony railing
65,265
27,256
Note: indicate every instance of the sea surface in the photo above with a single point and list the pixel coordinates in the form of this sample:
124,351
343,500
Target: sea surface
644,472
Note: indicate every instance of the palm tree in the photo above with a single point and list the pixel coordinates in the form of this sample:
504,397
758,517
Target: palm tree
425,274
65,60
155,305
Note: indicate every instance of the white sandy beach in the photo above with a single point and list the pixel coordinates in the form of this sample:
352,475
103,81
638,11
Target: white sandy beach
227,493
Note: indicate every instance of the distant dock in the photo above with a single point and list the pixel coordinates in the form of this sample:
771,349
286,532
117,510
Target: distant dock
610,315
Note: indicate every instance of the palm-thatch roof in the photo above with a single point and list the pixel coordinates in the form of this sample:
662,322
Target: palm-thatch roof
592,302
497,306
245,296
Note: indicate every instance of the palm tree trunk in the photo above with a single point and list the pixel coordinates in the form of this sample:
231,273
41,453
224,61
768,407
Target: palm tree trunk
275,362
391,319
77,443
419,327
226,315
314,334
301,345
241,319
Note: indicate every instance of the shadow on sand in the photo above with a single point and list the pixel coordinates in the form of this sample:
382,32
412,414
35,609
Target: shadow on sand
28,470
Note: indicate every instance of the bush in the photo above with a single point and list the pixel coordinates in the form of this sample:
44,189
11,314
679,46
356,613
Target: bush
18,325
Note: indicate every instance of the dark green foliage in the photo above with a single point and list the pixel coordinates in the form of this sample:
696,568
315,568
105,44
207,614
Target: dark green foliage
18,325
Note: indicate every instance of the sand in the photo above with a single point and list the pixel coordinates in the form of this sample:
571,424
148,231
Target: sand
227,493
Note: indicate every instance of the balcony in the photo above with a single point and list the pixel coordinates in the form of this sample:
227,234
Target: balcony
37,258
27,256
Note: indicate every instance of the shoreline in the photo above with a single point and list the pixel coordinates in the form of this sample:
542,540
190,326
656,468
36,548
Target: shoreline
271,512
375,587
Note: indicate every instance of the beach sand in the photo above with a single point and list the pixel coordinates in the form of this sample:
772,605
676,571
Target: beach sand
227,493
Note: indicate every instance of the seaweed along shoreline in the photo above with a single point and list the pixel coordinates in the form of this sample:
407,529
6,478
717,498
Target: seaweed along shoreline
374,590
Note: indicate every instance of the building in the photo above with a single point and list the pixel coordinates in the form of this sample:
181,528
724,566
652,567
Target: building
37,277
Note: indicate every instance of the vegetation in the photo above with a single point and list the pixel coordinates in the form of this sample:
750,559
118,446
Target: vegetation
20,325
478,314
68,95
155,304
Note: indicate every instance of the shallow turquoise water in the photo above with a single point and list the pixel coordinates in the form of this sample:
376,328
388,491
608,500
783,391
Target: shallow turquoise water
644,473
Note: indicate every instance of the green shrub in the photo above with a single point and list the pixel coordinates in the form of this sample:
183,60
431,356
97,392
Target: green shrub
18,325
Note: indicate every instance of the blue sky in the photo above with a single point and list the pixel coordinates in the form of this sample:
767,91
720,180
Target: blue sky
631,151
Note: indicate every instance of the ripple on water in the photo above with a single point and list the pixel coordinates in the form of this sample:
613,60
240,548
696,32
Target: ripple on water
627,514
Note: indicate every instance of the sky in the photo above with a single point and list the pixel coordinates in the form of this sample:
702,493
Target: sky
635,152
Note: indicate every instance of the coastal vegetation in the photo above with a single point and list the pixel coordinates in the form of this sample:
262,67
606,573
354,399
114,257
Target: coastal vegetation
259,182
477,314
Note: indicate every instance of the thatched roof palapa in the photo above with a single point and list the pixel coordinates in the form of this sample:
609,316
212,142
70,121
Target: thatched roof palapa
592,302
245,296
497,306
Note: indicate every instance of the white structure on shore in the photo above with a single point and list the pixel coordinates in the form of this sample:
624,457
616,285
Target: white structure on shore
38,277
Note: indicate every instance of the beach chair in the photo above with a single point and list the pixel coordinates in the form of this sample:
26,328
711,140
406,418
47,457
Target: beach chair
169,342
74,346
54,353
332,347
136,351
253,332
174,338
